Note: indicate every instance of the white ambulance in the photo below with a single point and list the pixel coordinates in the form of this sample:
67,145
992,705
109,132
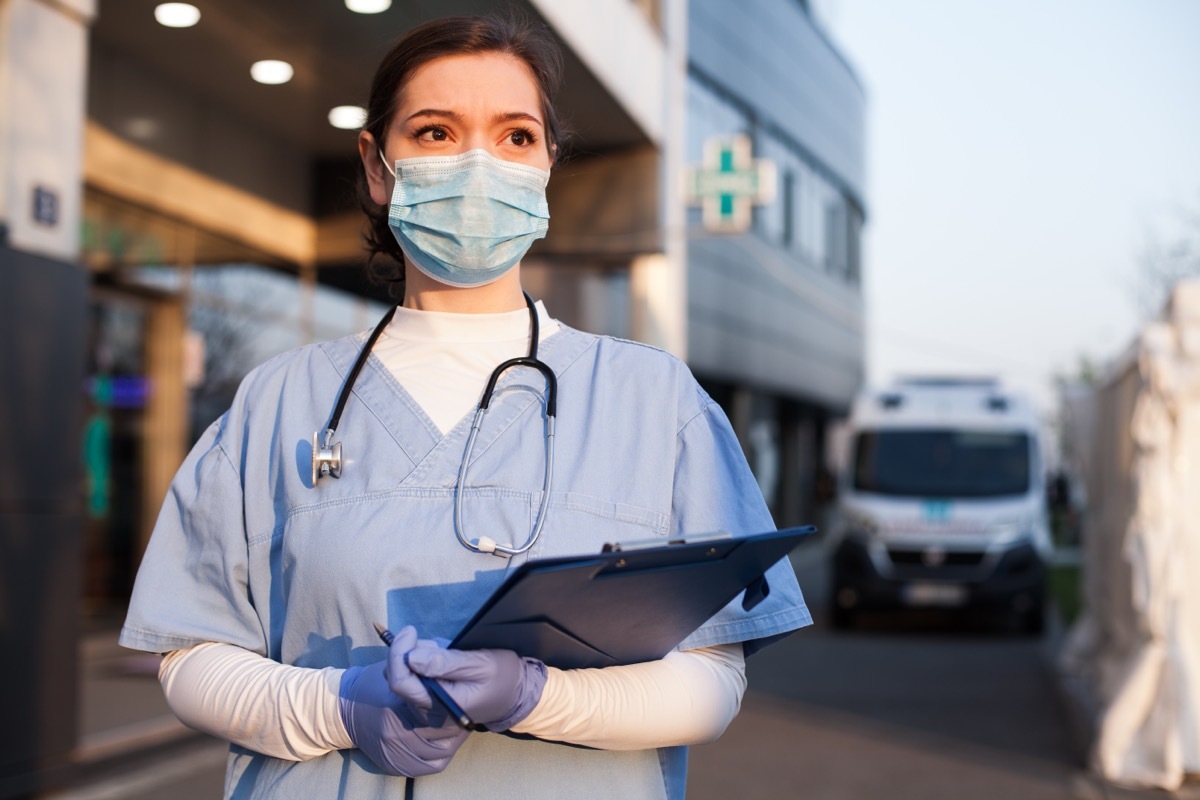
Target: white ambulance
942,503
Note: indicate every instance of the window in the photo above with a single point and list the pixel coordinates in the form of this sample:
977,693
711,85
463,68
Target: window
810,218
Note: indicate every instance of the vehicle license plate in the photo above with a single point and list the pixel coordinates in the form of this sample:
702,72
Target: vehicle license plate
934,594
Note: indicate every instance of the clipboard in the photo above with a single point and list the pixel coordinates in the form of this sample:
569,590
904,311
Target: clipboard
627,604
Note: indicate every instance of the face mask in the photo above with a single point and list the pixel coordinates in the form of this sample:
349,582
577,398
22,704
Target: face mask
466,220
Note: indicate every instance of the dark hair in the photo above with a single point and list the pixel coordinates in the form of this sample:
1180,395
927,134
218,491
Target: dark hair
448,36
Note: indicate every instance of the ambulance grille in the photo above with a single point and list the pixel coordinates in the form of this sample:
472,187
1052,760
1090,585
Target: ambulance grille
951,558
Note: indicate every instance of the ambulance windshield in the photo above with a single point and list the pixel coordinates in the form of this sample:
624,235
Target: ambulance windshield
941,463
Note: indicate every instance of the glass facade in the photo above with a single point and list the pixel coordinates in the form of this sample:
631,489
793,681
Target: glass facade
776,323
243,306
811,219
238,308
115,389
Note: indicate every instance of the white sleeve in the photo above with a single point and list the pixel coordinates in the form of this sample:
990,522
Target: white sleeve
688,697
292,712
271,708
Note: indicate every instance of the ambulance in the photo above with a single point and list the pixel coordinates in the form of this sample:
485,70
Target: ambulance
942,503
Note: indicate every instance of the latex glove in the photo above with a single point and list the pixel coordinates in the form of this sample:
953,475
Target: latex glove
400,738
497,688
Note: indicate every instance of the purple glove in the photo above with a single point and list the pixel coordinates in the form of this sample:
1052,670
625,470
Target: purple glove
497,688
398,737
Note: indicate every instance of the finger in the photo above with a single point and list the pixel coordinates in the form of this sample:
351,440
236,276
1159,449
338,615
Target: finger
454,665
430,748
425,658
400,678
406,638
446,734
402,642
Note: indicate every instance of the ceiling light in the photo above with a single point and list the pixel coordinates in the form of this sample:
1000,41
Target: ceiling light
368,6
142,128
272,72
348,118
177,15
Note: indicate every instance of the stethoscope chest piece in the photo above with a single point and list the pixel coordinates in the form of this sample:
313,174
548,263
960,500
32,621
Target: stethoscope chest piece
326,458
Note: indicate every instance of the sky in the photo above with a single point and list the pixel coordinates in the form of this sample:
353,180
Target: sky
1020,156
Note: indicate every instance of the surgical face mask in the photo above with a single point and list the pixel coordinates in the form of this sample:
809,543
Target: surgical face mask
466,220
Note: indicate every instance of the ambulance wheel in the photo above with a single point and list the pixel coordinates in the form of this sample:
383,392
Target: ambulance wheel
842,613
1033,622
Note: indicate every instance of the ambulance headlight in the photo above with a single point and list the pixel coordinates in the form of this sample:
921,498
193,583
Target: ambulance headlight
859,525
1010,532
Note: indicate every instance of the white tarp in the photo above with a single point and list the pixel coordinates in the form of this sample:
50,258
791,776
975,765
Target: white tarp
1136,648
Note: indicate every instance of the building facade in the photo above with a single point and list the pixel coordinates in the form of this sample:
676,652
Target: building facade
775,319
167,222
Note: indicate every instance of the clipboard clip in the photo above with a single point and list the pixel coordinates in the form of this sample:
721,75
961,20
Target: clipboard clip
646,544
756,592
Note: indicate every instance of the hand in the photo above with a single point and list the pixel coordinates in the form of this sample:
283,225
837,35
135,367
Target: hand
497,688
399,737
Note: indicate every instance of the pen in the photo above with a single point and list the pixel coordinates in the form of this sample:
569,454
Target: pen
433,687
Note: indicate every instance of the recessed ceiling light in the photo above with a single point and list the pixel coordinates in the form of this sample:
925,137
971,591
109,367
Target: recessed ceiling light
368,6
177,15
272,72
348,118
142,128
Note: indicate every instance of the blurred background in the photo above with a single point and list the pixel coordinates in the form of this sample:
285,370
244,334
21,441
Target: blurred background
971,223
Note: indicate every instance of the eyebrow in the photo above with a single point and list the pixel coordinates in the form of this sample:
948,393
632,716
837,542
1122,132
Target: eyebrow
508,116
516,115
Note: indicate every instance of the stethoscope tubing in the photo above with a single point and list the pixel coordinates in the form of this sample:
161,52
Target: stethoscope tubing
486,544
327,458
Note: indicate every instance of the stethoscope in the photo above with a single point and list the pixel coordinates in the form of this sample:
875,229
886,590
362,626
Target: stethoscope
327,455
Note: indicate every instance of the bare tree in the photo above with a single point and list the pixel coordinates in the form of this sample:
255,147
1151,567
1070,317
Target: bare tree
1165,261
230,318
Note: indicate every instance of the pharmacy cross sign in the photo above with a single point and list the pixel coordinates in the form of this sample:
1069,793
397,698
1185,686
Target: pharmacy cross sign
729,183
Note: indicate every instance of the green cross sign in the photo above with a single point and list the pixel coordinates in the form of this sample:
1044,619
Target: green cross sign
729,183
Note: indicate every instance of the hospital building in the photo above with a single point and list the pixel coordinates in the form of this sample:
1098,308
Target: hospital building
177,204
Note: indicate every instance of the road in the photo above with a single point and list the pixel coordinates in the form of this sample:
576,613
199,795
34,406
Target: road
910,707
921,706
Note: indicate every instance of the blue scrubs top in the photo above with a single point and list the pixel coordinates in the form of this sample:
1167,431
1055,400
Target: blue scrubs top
246,551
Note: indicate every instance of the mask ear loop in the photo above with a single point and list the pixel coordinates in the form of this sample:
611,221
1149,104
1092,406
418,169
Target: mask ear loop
391,170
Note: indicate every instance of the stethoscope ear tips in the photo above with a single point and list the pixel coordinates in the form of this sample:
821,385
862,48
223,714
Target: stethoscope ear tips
326,458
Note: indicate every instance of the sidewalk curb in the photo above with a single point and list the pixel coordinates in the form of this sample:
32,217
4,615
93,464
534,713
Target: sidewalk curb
102,660
128,739
1077,704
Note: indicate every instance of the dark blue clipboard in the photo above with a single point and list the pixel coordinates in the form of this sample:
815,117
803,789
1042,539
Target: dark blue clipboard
625,605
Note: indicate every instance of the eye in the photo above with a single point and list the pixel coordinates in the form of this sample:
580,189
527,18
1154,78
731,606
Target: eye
431,133
522,137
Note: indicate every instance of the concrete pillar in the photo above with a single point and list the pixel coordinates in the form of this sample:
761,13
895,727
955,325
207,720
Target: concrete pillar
43,79
164,426
43,64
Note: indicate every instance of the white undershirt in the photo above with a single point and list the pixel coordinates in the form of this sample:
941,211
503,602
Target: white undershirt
444,360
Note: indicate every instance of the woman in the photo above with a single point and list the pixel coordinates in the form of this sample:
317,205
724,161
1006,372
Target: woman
263,576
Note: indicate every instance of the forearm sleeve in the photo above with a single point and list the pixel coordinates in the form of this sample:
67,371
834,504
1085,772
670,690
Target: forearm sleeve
271,708
687,697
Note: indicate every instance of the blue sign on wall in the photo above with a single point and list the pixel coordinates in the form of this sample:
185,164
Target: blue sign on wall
45,206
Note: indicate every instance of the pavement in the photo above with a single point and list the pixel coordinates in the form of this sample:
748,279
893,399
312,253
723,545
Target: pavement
122,709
